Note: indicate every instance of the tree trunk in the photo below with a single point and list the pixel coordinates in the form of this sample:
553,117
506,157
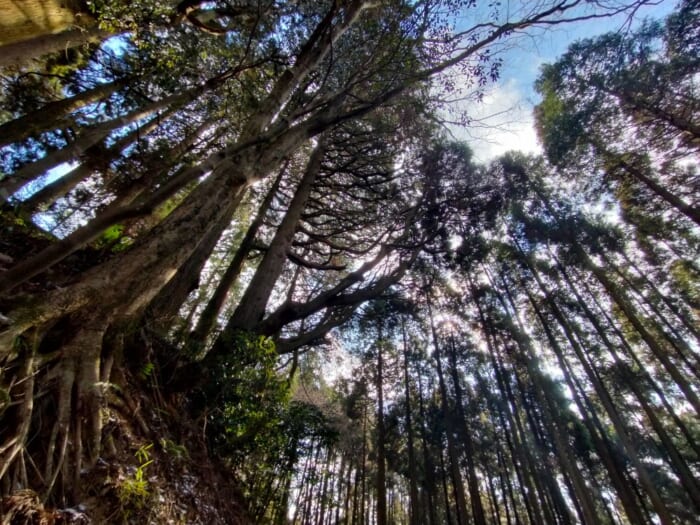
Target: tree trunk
251,307
603,395
690,211
53,115
92,136
381,437
681,313
48,195
211,312
428,465
455,471
671,334
472,480
617,295
668,405
412,471
20,53
601,446
166,305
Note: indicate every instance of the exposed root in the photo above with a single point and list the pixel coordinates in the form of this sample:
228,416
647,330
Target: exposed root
80,408
15,444
62,426
24,507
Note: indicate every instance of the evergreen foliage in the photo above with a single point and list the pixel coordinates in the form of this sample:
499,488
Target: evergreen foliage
205,203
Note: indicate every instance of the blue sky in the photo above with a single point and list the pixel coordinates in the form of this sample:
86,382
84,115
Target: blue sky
504,118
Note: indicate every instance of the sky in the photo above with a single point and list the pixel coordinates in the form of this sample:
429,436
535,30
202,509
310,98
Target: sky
503,120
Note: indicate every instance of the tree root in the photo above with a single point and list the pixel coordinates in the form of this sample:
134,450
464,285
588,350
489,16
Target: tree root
77,379
11,450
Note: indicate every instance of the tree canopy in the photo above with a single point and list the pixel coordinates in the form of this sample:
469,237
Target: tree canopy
204,203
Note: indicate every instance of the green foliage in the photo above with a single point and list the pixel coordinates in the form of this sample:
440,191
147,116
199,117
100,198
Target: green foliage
118,16
133,492
252,394
686,280
113,239
146,370
173,449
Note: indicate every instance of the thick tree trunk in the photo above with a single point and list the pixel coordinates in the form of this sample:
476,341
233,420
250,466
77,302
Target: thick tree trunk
20,53
165,306
121,288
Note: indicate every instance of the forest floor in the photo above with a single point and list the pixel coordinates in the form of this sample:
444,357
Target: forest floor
155,467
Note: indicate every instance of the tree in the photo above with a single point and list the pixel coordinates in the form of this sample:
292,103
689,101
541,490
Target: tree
330,87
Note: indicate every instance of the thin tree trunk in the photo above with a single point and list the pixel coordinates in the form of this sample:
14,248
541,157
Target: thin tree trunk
472,480
412,471
53,115
690,324
630,313
632,381
673,200
213,308
569,376
675,339
430,484
381,437
251,307
455,471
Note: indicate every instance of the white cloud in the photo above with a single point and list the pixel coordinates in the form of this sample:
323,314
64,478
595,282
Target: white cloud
502,121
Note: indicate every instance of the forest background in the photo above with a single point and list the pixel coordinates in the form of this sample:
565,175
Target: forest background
202,201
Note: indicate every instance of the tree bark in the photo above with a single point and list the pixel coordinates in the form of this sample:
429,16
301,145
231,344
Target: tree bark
251,308
412,471
53,114
166,305
48,195
19,53
210,313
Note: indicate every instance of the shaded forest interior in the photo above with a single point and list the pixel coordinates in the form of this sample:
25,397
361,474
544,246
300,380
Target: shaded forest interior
247,275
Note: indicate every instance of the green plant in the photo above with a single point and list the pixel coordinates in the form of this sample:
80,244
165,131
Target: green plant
251,395
146,370
173,449
133,492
